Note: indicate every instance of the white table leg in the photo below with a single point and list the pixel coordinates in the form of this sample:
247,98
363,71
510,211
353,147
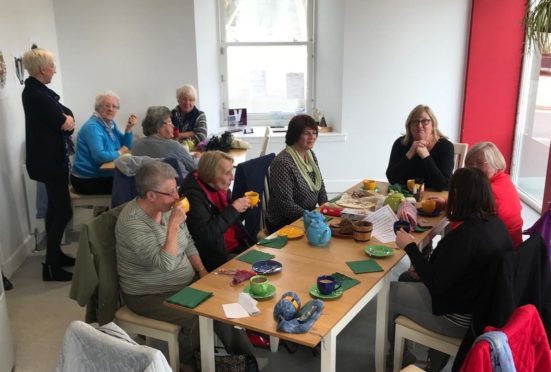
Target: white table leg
329,352
381,325
274,344
206,335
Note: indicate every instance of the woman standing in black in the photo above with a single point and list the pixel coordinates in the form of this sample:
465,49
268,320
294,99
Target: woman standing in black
48,127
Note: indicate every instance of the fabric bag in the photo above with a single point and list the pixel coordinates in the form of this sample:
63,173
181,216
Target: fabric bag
231,363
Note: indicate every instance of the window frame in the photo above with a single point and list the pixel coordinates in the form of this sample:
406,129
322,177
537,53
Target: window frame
254,119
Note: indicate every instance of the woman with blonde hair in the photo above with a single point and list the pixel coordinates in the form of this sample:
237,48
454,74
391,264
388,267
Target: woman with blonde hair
423,152
190,123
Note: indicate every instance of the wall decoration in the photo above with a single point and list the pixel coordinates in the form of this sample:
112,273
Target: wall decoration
19,69
3,71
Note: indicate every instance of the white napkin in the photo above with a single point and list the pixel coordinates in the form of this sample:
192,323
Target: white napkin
242,309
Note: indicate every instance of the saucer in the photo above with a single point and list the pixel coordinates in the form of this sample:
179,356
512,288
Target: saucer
378,251
267,267
434,213
291,232
271,292
314,292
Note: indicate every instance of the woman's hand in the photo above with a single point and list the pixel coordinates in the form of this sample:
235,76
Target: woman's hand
241,204
413,149
177,216
69,124
124,150
422,150
440,202
403,238
132,120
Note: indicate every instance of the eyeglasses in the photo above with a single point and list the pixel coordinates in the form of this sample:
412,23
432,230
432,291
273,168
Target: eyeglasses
423,122
310,134
173,193
108,107
475,164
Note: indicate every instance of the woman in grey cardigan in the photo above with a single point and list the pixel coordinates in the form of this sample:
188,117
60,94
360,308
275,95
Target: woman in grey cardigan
158,143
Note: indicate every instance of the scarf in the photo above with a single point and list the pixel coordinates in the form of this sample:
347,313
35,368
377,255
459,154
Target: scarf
306,167
108,126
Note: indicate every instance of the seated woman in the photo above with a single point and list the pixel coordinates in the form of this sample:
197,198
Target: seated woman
452,276
190,123
158,143
423,152
100,141
295,178
214,222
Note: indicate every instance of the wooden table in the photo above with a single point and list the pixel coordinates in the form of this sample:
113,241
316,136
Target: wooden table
302,264
238,155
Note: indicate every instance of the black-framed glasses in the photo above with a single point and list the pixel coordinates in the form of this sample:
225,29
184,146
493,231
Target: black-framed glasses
173,193
423,122
475,164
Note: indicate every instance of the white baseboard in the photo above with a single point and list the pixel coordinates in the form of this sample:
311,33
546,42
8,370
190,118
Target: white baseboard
16,259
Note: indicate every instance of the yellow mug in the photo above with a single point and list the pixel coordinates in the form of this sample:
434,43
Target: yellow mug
369,184
253,198
184,203
428,205
410,184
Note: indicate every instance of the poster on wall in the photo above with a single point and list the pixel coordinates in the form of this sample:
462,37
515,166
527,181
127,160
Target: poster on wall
19,70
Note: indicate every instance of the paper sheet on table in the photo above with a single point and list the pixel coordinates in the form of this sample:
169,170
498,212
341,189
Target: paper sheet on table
242,309
383,224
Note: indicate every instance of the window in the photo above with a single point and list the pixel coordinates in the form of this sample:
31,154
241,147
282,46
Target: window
533,132
266,49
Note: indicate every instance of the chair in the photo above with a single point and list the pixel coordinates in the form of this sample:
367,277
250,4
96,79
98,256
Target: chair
459,153
408,329
95,285
265,143
265,199
88,201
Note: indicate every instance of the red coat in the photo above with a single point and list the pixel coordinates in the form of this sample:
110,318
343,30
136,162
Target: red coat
527,340
508,205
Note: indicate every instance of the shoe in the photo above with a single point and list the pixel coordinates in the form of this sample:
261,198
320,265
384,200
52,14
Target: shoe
7,283
55,273
437,361
66,260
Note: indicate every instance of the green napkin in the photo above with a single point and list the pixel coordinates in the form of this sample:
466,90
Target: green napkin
189,297
346,281
364,266
277,242
255,256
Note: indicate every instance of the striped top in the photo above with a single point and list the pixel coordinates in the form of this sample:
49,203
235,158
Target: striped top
142,265
461,320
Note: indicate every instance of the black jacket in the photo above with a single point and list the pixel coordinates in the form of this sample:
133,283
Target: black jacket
46,143
207,224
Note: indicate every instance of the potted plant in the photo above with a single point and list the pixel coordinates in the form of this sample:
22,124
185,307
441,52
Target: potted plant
537,24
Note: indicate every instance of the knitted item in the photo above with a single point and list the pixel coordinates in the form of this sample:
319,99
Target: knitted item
306,167
292,318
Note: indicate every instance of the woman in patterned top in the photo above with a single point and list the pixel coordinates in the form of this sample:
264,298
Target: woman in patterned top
295,178
189,122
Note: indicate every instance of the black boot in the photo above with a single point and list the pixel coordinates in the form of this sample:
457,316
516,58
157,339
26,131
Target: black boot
66,260
55,273
7,283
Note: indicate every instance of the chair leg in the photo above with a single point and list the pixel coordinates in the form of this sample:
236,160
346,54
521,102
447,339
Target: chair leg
274,344
174,353
398,349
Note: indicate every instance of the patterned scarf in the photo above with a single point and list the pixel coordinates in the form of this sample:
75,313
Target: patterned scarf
306,167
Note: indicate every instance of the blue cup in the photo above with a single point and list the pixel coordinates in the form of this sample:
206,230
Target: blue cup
402,225
327,284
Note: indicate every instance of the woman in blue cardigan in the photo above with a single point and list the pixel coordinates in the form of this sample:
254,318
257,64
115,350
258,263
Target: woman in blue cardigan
100,141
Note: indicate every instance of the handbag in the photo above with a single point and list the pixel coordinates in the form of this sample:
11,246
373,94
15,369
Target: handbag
231,363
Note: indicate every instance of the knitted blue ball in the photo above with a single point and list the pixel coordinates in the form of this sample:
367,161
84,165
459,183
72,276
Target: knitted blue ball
287,307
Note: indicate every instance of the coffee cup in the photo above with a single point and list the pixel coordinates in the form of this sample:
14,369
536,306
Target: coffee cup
405,225
369,184
410,184
428,205
184,202
327,284
259,285
253,198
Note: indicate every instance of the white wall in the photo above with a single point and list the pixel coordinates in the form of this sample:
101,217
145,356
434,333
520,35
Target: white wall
22,22
141,49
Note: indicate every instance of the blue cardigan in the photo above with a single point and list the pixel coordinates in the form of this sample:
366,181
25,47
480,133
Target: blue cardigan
95,147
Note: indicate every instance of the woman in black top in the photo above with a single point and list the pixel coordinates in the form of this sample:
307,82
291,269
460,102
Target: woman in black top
423,152
452,277
48,127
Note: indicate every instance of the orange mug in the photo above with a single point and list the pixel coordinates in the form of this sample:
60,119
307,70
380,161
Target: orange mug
253,198
369,184
184,203
411,184
428,205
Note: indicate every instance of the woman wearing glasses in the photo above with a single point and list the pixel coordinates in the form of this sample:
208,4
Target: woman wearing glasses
296,183
158,143
423,152
100,141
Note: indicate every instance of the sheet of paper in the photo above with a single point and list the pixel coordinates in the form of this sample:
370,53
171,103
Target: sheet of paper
248,303
234,311
383,222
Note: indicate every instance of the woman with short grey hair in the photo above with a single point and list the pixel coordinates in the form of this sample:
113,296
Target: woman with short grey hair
158,143
190,123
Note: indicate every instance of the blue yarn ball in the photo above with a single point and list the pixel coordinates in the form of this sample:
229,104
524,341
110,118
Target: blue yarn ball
286,308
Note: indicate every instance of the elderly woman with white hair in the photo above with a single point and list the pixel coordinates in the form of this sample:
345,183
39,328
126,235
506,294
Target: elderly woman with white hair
158,143
100,141
48,127
189,122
